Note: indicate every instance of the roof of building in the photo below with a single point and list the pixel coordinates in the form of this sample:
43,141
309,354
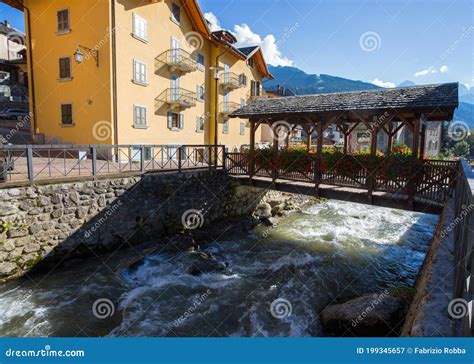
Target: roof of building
416,97
247,51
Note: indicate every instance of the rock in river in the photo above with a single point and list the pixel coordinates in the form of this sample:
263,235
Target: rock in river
203,262
369,315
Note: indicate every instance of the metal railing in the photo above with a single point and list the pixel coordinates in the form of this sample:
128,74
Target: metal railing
228,107
177,97
177,60
463,247
231,80
32,163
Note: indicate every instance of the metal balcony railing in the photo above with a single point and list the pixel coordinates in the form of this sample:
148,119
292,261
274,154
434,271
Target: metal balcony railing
177,60
231,81
228,107
177,98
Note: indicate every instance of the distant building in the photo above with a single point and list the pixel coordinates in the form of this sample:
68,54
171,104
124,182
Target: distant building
13,69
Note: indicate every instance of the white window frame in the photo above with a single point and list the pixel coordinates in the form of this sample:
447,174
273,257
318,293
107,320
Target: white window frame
142,77
142,108
201,67
180,121
139,28
201,93
199,124
242,128
68,29
173,19
226,126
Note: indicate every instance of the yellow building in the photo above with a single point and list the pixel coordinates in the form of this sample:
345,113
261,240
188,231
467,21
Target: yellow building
136,72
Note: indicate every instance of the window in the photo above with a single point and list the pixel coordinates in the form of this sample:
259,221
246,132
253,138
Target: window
175,13
63,21
64,68
201,62
139,72
199,124
137,153
255,88
242,128
139,116
243,102
66,114
139,27
251,62
175,121
200,92
243,79
225,128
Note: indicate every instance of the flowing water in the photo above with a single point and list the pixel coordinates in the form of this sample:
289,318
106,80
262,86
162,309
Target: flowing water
325,254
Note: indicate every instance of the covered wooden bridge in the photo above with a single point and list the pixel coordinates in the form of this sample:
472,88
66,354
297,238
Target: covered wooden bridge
394,177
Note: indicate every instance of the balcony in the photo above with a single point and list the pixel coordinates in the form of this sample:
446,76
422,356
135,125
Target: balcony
177,60
177,98
228,107
231,81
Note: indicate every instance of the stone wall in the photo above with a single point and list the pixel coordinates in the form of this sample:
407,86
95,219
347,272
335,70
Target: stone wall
43,225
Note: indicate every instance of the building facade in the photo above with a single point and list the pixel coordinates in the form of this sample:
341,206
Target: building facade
136,72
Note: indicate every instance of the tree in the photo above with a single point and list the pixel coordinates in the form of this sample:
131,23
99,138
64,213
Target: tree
461,149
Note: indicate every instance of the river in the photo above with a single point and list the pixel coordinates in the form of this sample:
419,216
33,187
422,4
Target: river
327,253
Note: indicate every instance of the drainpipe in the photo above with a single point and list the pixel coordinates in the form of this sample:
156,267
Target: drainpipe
31,77
114,71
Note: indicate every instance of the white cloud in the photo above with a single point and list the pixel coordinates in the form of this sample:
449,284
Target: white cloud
246,37
215,24
425,72
444,69
381,83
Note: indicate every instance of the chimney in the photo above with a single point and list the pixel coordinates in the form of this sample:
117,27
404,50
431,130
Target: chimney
7,23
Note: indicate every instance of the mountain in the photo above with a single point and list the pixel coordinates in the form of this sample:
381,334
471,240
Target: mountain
465,113
407,83
299,82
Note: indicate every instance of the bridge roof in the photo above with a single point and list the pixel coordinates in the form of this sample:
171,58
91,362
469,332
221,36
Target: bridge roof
438,101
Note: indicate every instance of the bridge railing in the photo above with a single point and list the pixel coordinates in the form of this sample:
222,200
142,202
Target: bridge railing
433,180
32,163
463,226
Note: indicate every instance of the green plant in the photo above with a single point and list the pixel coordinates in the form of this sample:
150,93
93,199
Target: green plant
6,226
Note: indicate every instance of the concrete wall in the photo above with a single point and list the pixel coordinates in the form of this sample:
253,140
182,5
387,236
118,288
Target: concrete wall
43,225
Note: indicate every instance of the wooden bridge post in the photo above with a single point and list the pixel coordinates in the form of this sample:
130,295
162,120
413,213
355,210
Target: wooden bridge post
412,182
319,157
371,178
252,149
276,147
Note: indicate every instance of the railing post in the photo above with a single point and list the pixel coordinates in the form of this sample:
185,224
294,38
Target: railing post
224,158
29,162
142,159
94,160
180,151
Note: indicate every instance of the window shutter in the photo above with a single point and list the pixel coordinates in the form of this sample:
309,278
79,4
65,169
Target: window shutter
181,121
170,120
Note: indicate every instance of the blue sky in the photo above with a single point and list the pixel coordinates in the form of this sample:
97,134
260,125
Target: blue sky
385,40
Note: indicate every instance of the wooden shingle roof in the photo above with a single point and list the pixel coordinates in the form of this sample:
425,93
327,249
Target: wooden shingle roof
428,97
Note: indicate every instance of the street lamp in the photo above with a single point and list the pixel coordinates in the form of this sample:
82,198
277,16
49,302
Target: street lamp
79,55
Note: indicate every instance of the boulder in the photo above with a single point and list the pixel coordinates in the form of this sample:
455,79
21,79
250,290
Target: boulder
7,269
263,210
203,262
278,210
369,315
